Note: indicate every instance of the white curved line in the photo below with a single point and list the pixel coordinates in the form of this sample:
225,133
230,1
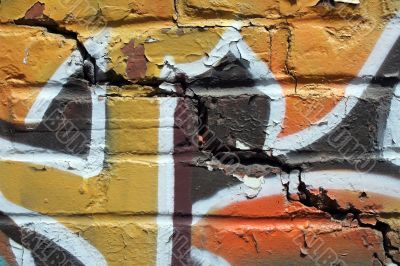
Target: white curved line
206,258
93,164
391,139
327,179
54,231
53,87
232,41
354,181
344,107
230,195
86,168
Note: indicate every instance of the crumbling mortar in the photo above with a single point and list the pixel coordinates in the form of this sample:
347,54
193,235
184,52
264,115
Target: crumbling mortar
91,72
324,203
176,12
268,29
207,27
211,152
290,71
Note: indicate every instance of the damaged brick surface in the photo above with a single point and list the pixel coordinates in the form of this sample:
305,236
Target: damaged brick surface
197,132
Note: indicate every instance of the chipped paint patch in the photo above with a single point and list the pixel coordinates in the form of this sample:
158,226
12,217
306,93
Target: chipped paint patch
136,66
36,11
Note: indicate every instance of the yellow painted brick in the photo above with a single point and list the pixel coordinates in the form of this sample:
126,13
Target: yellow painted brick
133,125
125,185
31,55
121,239
224,12
85,11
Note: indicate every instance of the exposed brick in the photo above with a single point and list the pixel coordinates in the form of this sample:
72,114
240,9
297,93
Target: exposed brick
199,132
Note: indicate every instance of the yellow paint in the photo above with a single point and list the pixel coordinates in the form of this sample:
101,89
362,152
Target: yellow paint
274,12
29,58
259,41
77,11
133,125
128,185
184,45
122,239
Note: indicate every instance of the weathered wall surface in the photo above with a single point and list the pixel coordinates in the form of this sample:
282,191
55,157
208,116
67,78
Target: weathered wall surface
199,132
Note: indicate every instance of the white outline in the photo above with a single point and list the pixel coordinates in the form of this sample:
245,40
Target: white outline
93,164
260,71
54,231
96,46
391,138
225,197
166,180
204,257
53,87
86,168
327,179
350,99
354,181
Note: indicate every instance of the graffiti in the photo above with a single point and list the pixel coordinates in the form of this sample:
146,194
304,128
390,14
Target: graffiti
187,133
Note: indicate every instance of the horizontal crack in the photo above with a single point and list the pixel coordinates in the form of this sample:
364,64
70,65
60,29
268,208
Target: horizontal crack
323,202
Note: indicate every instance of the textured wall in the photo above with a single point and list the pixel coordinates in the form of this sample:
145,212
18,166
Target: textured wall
199,132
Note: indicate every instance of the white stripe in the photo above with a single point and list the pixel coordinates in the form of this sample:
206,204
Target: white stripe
22,255
207,258
391,139
95,160
96,47
353,91
53,87
86,168
354,181
50,228
166,175
233,194
383,46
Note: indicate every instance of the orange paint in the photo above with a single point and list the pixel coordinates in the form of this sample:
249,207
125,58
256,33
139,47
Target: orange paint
260,237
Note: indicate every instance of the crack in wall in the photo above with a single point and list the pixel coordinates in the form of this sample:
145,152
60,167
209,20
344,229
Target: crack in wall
94,76
288,69
322,201
176,12
91,71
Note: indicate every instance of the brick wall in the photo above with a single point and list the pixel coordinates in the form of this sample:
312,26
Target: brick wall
199,132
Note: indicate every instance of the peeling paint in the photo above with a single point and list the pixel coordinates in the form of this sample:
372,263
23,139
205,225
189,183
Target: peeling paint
354,2
136,64
199,132
36,11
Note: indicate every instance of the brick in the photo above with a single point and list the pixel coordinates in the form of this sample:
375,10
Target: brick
241,242
25,60
85,11
205,12
103,233
101,194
